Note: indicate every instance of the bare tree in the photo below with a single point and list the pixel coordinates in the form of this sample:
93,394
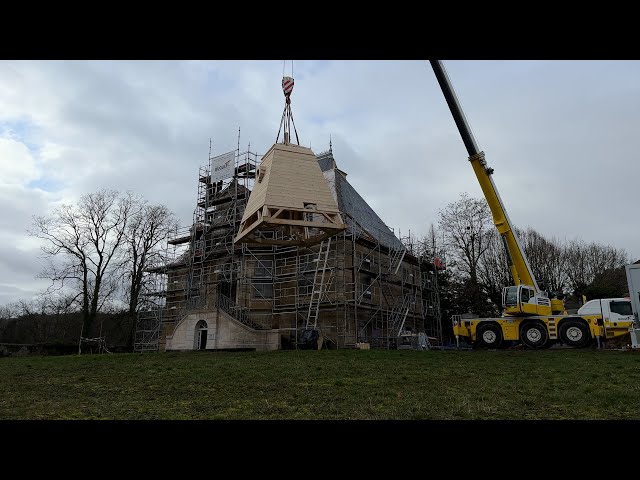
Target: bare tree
547,259
8,311
82,243
585,261
466,224
608,284
147,232
478,258
62,310
35,321
432,246
427,246
493,271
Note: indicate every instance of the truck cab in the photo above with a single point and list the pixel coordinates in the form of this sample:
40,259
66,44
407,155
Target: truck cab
616,314
613,310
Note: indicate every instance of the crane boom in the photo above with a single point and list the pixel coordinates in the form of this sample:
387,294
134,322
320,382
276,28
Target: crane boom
529,315
518,263
526,297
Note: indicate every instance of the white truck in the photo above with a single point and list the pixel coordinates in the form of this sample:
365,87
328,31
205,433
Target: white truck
615,312
633,280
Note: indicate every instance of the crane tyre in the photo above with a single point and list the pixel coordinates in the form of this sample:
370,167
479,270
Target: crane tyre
534,335
574,333
489,335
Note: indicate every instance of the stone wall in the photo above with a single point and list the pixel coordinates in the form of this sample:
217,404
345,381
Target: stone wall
223,332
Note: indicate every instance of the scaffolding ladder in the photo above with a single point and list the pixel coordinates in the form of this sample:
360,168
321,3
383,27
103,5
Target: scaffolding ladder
398,316
318,284
395,259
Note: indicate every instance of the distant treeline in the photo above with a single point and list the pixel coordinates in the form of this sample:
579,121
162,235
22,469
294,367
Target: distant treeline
55,334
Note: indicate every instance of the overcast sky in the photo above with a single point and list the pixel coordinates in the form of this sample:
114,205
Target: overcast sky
559,134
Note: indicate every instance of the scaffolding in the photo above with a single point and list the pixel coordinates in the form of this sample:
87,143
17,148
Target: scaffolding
356,287
431,259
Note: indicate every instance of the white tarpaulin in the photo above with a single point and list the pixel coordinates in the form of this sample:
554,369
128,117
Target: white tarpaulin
633,280
223,166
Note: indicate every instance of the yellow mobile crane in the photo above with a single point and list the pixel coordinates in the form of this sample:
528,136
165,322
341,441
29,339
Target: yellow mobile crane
530,316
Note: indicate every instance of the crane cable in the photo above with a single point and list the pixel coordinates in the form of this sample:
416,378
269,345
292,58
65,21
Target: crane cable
283,66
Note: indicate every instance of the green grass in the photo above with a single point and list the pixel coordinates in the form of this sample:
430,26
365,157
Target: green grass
353,384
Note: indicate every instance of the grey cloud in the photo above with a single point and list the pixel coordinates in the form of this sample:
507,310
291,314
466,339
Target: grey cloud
560,135
19,264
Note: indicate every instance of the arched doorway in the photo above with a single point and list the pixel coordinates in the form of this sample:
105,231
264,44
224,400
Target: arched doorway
201,335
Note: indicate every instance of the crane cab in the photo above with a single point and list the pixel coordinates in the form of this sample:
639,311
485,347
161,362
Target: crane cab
522,300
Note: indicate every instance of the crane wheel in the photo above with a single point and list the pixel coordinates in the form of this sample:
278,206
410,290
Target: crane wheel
574,333
534,335
489,335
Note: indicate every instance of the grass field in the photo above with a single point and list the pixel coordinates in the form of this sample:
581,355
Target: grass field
351,384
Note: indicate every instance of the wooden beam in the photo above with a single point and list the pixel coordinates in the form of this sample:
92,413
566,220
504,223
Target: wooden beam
303,223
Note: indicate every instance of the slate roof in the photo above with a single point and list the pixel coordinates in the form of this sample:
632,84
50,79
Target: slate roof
350,202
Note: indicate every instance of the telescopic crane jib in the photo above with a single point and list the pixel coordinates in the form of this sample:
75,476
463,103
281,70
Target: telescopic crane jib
529,315
525,297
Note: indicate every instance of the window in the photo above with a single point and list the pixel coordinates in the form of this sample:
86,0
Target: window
305,289
511,296
621,308
525,295
310,217
367,290
262,290
305,284
364,260
263,269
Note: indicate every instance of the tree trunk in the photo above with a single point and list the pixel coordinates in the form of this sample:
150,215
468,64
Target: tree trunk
132,332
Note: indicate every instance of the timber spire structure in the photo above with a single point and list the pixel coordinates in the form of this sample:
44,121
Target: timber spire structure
290,196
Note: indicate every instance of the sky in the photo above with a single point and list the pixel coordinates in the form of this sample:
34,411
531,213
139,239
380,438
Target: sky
560,136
